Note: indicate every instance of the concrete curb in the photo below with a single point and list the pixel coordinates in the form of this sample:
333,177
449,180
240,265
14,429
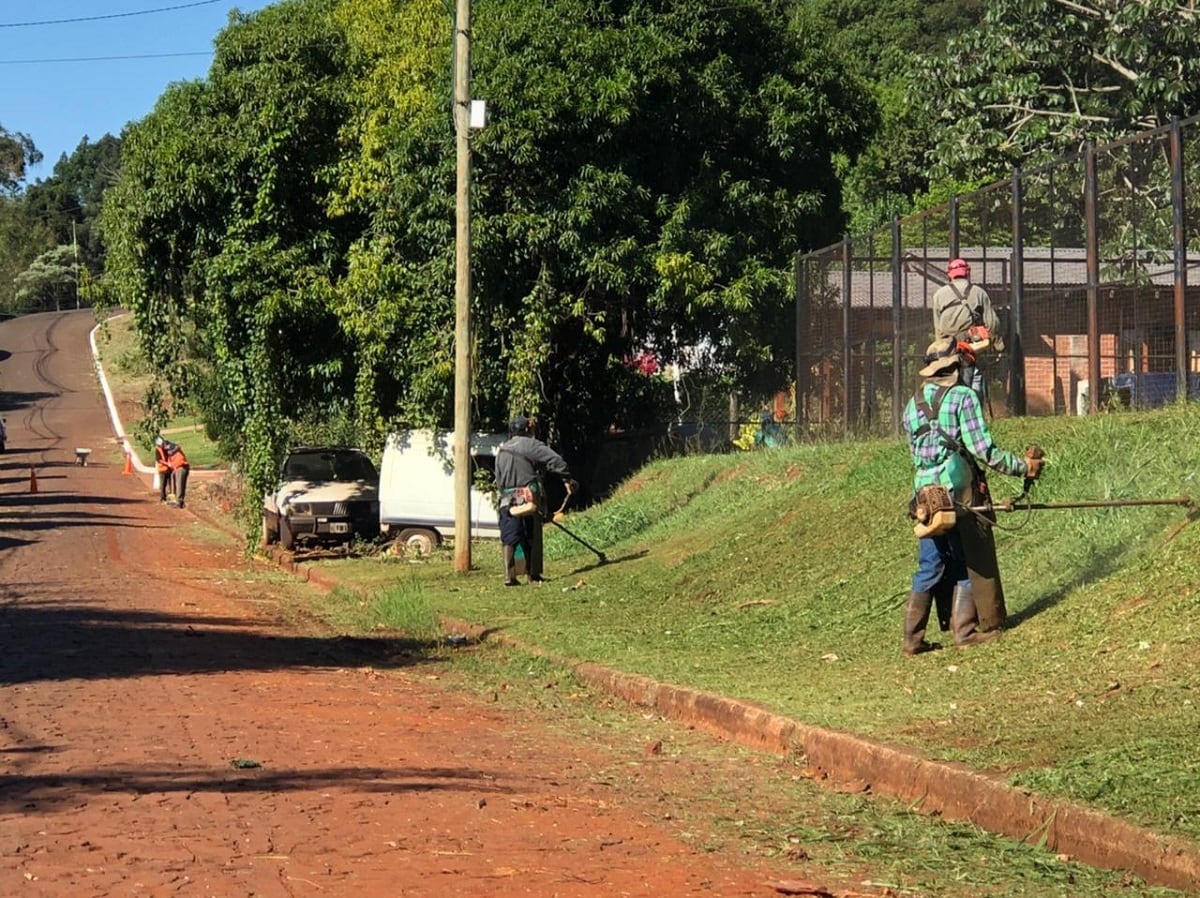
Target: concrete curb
951,791
934,788
113,415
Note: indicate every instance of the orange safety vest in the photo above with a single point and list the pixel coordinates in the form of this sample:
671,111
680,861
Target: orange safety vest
177,459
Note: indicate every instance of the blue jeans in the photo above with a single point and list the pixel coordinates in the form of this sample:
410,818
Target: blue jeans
937,557
524,531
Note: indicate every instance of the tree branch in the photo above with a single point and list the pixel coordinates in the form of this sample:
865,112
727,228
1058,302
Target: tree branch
1029,113
1079,8
1121,70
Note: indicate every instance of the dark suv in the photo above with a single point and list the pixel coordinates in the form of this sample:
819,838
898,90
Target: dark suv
326,495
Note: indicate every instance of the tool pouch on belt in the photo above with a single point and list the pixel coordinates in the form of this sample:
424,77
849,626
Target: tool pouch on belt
933,510
524,501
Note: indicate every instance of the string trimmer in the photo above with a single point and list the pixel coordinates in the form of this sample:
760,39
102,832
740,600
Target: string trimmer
1017,504
1023,503
556,520
600,555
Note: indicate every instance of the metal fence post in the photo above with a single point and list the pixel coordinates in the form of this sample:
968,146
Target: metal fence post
1178,214
802,379
897,326
1016,391
953,248
1090,213
847,251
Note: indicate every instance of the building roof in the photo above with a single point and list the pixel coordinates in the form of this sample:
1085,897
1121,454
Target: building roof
1046,269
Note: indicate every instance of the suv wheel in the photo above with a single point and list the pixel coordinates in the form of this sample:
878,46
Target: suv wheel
287,539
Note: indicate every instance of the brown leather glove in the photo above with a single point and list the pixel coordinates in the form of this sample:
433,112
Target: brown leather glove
1035,458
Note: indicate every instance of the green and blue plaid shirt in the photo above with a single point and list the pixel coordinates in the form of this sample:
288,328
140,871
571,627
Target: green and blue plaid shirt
960,418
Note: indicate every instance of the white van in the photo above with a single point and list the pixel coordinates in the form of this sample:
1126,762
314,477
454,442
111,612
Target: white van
416,488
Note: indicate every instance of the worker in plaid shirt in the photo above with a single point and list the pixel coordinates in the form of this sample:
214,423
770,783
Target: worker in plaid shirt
951,445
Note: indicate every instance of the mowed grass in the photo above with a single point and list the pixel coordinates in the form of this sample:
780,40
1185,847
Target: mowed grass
779,576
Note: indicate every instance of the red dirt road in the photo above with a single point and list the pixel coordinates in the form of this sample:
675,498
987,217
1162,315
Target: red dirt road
141,656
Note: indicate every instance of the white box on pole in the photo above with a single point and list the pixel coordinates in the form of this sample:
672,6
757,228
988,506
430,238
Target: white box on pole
478,114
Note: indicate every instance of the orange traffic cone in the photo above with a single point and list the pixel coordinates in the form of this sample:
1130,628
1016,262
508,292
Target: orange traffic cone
128,463
32,480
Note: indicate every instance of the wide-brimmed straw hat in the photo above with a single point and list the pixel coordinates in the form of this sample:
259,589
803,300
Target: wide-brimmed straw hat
941,360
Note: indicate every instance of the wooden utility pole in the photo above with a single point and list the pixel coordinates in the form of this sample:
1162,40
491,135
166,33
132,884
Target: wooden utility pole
75,249
462,290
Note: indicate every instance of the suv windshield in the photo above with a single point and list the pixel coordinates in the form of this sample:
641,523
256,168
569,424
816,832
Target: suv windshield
328,465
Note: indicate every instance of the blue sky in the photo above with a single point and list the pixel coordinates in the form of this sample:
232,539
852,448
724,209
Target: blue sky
99,64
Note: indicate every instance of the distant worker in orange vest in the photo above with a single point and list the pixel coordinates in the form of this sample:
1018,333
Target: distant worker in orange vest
172,465
161,469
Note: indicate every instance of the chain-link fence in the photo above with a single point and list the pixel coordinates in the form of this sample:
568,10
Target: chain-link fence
1086,261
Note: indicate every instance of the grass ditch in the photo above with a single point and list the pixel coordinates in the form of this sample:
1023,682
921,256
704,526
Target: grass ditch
779,576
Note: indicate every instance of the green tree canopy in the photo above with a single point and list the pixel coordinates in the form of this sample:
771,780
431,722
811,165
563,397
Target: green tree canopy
17,153
1039,78
50,281
287,223
878,40
648,170
218,234
23,236
69,201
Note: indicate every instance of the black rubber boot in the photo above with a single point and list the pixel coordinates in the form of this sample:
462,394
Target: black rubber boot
510,566
916,618
964,620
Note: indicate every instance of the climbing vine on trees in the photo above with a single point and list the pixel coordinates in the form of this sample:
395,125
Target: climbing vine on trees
219,238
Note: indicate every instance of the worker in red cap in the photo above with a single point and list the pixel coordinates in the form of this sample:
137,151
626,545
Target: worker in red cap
962,311
963,316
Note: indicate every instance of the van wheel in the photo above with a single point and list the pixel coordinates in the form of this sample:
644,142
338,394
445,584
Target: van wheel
418,540
287,539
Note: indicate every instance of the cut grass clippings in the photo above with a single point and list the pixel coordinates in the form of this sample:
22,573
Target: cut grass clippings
779,577
767,809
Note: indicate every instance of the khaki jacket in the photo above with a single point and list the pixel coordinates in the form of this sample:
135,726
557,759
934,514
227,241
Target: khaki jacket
961,304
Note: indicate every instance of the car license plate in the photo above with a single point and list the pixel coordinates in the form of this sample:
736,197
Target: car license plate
339,527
